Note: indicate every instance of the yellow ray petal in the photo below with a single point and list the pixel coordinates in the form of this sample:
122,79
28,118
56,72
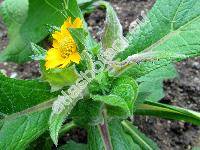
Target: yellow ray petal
66,62
64,49
57,35
56,44
75,57
53,58
66,24
77,23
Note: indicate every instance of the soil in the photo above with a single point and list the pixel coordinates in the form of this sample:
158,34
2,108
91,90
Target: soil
183,91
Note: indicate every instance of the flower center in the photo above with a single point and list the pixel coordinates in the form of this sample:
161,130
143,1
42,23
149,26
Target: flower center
68,46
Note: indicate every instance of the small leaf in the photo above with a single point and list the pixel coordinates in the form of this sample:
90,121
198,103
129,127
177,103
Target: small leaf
113,33
38,52
59,78
55,124
100,84
87,112
116,106
127,88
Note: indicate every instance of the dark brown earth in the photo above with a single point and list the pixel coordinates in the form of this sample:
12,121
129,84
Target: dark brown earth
183,91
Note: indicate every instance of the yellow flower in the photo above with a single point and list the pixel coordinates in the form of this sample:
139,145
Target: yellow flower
64,49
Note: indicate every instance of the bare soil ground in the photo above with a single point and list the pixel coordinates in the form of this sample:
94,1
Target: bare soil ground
183,91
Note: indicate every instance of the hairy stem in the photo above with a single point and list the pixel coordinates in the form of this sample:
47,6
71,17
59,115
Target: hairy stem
105,133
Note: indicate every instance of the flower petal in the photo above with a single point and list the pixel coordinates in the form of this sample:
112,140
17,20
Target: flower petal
75,57
66,62
77,23
57,35
53,58
66,24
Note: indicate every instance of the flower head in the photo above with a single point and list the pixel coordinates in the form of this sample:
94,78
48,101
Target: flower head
64,49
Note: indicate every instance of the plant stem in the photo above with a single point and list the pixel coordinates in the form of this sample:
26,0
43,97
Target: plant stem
105,132
67,127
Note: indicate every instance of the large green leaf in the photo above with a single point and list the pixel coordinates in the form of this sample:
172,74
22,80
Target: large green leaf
169,33
168,112
26,21
28,25
72,9
17,95
172,26
17,133
151,84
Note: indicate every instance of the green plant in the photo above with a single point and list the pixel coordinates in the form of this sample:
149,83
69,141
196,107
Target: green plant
129,81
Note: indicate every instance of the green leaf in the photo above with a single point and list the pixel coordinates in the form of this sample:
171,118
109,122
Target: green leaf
59,78
122,95
80,2
138,70
17,95
127,88
72,9
116,106
43,142
168,72
27,25
143,141
119,139
100,84
94,138
113,33
55,124
87,112
64,105
71,145
126,92
151,85
171,35
168,112
196,148
171,26
79,36
17,133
